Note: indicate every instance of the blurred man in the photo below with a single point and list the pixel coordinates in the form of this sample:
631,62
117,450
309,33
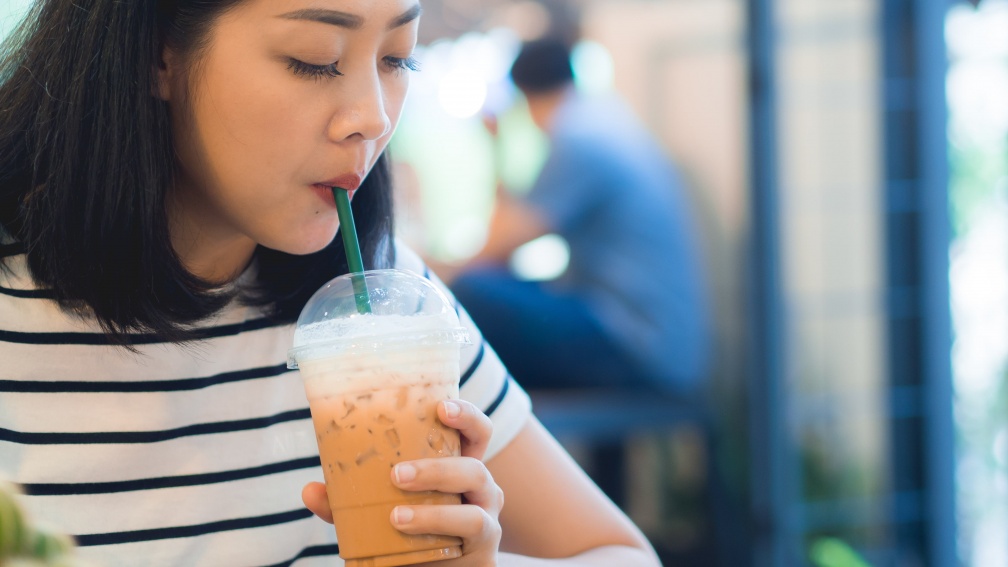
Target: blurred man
630,309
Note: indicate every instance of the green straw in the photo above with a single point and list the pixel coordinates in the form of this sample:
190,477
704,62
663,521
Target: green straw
352,248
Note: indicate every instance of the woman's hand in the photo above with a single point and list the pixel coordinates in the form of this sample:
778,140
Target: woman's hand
476,520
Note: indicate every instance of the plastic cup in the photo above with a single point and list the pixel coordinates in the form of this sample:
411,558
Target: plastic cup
373,382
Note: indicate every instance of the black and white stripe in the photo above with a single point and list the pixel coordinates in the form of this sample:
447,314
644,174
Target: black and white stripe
179,455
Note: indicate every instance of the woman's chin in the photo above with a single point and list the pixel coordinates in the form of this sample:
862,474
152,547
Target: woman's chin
308,244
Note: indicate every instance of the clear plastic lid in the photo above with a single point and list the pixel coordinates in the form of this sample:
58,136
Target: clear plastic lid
403,309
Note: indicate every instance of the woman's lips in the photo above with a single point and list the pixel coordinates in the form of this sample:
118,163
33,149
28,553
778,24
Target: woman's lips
325,193
349,182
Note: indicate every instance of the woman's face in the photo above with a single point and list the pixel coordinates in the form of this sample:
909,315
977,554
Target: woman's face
289,98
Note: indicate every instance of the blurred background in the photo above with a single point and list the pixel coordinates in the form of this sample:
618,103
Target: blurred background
847,162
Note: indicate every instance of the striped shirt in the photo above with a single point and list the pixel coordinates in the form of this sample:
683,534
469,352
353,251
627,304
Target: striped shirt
175,455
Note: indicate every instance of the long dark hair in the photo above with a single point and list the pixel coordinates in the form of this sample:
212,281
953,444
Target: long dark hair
87,160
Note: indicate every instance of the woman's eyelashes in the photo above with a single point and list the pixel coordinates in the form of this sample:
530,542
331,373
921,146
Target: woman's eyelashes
402,63
302,69
329,71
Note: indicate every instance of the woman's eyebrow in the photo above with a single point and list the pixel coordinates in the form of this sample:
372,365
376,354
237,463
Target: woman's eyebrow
331,17
406,17
347,20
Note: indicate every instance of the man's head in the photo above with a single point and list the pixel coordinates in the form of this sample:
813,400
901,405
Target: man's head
542,65
542,72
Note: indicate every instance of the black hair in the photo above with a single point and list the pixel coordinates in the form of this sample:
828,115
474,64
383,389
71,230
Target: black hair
542,65
87,160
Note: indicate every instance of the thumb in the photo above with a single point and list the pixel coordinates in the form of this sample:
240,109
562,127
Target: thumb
315,499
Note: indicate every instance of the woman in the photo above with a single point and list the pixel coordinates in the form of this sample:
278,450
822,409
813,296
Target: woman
165,209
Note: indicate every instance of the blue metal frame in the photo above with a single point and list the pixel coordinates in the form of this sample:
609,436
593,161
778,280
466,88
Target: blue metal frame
922,507
917,228
939,428
771,457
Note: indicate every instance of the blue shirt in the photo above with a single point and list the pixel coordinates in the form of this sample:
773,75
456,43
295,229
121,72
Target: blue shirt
608,189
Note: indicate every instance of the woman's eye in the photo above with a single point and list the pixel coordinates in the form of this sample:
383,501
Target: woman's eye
302,69
402,63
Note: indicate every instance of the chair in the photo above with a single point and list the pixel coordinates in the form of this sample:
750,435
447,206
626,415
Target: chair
603,420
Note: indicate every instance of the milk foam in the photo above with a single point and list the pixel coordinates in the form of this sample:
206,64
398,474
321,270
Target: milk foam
369,352
372,333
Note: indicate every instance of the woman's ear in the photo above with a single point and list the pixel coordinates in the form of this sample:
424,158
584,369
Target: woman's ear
166,72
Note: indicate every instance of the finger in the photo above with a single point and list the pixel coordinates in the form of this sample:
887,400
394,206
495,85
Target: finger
314,497
474,426
471,523
464,475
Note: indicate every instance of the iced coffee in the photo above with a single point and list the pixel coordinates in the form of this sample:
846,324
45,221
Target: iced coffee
373,383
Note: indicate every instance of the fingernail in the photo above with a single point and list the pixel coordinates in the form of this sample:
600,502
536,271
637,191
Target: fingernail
452,409
404,473
402,515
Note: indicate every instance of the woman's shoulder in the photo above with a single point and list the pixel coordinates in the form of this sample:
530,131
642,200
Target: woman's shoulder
406,258
27,307
15,277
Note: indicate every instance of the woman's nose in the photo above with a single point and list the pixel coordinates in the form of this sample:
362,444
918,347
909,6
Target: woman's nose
363,111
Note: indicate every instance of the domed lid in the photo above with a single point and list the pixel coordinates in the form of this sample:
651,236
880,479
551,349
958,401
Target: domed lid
405,309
